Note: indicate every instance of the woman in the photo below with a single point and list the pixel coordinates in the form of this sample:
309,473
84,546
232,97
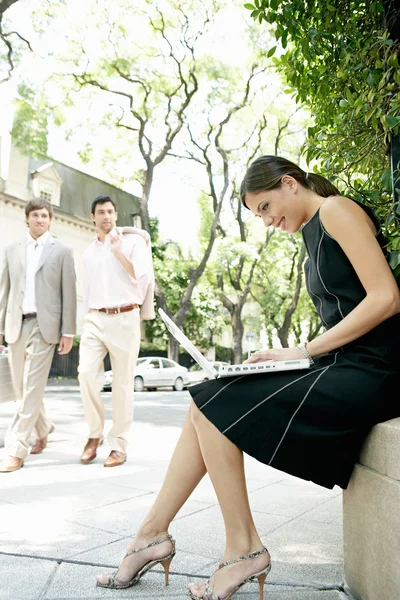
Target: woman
310,423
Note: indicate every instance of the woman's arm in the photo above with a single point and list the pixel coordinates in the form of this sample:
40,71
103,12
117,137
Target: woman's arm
353,230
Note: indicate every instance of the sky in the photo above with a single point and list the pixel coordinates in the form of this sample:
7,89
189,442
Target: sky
177,184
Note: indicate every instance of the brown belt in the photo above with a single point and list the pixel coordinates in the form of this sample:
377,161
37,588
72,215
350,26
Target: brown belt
29,316
115,310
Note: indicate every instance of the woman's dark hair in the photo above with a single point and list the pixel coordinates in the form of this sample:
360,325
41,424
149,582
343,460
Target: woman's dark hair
37,204
102,200
266,173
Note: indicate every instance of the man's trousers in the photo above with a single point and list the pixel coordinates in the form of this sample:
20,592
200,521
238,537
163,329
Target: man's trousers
30,360
118,334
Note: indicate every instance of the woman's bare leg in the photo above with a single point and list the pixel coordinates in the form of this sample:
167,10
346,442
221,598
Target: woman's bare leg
225,466
185,471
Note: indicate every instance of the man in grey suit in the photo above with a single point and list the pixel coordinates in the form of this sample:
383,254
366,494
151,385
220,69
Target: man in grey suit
37,312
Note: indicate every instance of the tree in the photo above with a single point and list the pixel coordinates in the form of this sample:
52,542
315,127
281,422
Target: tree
5,4
286,308
210,152
9,55
339,59
173,275
242,251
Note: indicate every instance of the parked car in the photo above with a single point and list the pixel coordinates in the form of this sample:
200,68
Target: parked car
197,375
154,372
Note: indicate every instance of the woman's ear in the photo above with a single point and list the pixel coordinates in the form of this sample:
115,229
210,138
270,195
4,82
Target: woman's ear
289,182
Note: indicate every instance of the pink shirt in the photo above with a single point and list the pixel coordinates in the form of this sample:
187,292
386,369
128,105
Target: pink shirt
105,281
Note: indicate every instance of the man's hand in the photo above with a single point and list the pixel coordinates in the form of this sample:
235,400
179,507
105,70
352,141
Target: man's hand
275,354
65,344
116,244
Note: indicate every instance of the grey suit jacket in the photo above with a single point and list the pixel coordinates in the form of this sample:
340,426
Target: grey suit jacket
55,290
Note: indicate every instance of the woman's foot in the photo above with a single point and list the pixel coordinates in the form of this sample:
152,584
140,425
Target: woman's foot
228,578
133,563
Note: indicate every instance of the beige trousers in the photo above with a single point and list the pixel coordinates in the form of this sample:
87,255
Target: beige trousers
30,361
120,336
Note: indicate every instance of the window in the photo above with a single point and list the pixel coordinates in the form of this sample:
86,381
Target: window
155,363
45,195
167,364
136,220
46,184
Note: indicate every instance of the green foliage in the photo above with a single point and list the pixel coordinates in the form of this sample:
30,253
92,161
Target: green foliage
338,59
146,347
30,127
274,287
223,353
207,216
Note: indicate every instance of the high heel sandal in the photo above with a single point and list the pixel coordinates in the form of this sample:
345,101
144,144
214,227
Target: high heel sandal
115,584
260,576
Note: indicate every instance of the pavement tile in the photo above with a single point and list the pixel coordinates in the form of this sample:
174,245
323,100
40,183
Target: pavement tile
306,552
204,534
110,555
79,581
66,497
150,477
23,578
47,535
328,512
289,500
261,472
125,517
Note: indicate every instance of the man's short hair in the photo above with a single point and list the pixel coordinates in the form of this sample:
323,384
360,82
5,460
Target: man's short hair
37,204
102,200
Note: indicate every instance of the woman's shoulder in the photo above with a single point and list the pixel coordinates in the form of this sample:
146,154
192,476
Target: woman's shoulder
339,211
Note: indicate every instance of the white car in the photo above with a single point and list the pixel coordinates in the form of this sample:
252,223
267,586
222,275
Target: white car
154,372
197,375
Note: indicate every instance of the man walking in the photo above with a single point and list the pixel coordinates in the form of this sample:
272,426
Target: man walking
118,292
37,312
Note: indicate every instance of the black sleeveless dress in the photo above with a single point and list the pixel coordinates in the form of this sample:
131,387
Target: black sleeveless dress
312,423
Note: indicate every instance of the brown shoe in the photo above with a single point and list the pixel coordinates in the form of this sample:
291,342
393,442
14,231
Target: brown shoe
116,458
40,445
10,464
90,450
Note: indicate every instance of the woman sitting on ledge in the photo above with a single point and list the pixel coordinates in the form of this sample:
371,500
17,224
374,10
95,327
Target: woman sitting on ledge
309,423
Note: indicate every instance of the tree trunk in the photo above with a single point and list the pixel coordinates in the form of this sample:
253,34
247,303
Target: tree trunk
283,331
237,335
5,4
144,201
173,348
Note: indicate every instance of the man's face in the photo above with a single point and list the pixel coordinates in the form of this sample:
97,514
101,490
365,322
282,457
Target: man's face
38,222
104,217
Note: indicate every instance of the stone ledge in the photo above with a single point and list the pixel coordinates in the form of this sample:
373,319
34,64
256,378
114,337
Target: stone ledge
381,451
371,520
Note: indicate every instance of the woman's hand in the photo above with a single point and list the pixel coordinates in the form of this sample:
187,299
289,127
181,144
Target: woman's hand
275,354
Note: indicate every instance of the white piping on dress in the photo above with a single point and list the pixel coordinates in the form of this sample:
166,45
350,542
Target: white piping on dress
319,275
219,391
274,394
298,408
314,294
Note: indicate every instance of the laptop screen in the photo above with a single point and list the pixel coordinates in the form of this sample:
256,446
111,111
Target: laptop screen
187,344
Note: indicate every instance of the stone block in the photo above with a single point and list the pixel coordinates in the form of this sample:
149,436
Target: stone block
371,520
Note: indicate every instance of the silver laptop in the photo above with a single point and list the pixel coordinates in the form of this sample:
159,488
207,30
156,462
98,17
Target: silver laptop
230,370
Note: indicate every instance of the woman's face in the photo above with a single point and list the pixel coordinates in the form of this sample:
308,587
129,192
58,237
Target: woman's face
280,207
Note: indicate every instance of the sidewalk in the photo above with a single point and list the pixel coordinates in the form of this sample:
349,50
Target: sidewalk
62,523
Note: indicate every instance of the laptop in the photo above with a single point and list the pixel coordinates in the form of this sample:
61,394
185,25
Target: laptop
230,370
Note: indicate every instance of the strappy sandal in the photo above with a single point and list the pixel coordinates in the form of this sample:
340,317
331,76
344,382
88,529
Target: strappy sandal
116,584
260,576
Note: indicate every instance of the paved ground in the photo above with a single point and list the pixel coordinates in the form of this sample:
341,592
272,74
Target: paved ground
62,523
